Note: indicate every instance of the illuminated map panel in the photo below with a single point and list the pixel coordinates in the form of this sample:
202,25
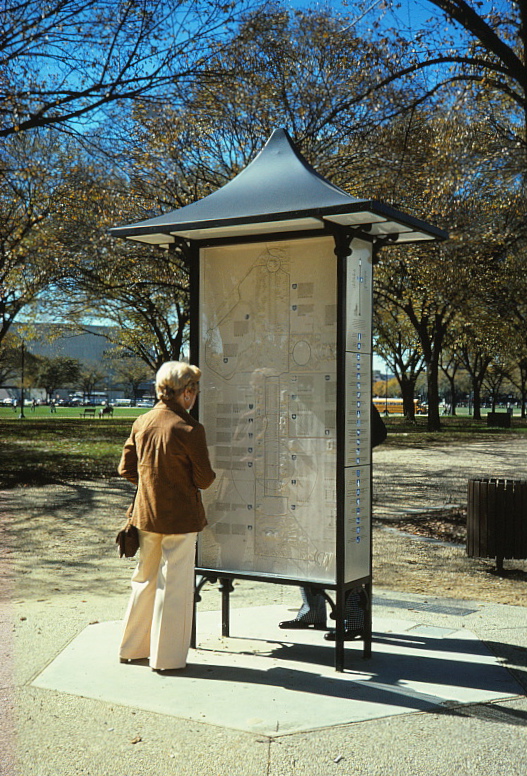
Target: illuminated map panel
268,318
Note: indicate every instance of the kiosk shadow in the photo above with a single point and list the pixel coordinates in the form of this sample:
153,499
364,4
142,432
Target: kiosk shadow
419,670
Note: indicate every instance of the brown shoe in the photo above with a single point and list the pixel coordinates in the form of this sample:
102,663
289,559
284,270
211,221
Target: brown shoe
131,659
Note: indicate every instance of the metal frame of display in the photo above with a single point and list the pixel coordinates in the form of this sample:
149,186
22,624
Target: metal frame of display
343,239
279,196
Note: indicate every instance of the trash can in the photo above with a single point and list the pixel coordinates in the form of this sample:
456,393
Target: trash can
497,519
500,419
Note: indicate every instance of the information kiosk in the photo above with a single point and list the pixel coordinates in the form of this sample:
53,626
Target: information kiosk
281,327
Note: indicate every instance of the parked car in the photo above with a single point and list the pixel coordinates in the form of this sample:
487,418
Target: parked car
145,403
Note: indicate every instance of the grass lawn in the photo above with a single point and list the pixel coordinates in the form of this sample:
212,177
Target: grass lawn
457,430
46,447
44,413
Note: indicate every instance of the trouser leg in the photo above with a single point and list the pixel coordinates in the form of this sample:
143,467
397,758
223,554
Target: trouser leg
354,615
173,604
135,643
354,610
312,613
313,607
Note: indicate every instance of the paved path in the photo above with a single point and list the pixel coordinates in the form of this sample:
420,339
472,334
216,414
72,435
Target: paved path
436,698
443,694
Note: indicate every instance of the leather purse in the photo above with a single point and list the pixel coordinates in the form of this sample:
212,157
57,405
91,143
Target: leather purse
127,539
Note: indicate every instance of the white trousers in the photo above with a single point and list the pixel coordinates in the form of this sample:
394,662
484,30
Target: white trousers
158,621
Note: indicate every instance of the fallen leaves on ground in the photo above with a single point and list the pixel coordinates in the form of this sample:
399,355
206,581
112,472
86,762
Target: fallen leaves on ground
446,527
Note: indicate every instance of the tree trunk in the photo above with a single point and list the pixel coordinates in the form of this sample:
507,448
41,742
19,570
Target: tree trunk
523,394
523,390
453,401
476,390
431,338
407,392
434,421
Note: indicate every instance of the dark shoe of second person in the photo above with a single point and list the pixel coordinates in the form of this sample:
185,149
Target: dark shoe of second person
350,634
302,625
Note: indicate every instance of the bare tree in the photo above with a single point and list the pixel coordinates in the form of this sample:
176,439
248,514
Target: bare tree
33,186
65,61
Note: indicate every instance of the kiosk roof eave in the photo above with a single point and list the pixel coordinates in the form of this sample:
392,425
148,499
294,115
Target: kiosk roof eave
378,221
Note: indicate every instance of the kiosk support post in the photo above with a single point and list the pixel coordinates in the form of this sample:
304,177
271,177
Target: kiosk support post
342,251
226,587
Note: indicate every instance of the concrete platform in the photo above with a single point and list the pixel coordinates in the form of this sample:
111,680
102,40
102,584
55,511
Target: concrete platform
273,682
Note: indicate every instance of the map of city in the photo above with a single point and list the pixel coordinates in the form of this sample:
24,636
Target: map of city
268,332
268,355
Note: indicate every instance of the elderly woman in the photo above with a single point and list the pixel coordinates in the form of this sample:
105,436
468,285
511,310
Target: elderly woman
166,456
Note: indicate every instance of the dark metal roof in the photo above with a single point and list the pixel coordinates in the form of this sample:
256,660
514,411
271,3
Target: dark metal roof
277,192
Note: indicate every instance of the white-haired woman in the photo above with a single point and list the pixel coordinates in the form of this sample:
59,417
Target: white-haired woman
166,456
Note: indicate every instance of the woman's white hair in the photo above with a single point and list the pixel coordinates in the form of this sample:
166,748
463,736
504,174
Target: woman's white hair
173,377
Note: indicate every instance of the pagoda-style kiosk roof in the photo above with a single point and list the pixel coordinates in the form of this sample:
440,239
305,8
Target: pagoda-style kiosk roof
278,192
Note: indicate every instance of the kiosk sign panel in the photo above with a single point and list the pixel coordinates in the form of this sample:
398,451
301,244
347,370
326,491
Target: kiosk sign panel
268,356
358,369
268,353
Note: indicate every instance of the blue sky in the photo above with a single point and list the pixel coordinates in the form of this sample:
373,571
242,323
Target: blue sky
406,14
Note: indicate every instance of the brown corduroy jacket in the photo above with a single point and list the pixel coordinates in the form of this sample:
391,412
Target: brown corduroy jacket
166,456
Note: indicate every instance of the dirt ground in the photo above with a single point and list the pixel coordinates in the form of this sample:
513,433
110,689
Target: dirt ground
419,510
61,537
